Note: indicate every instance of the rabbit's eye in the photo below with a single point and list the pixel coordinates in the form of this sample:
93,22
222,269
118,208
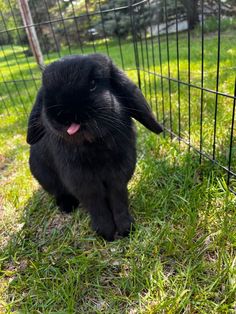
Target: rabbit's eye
92,86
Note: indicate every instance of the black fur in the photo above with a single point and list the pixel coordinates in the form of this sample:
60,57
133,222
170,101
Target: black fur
93,165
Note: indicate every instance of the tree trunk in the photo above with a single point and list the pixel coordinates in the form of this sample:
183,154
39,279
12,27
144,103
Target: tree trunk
191,7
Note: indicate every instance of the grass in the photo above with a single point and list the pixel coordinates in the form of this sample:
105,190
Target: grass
181,257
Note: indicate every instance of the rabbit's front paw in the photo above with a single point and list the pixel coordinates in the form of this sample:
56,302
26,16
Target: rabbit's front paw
67,203
105,228
125,225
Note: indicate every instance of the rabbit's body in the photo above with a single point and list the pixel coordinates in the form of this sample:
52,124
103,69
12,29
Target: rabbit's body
70,166
82,146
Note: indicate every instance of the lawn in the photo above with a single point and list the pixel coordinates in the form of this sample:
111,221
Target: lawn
181,257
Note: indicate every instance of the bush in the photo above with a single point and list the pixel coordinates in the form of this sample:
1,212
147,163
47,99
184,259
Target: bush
211,24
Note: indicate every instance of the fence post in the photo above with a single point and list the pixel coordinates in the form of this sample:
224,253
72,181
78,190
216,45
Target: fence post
31,33
136,55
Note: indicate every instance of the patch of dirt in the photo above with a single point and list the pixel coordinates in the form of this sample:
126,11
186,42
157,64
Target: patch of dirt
57,222
3,164
14,267
1,207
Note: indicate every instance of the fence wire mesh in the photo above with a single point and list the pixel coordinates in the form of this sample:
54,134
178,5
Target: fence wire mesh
181,53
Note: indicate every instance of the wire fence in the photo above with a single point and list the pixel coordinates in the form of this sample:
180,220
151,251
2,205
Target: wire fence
185,67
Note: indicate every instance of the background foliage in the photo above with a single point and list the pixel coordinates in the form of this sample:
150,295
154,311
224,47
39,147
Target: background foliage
78,27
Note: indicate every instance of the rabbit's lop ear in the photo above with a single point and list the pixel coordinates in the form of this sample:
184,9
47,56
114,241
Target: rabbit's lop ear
134,101
35,127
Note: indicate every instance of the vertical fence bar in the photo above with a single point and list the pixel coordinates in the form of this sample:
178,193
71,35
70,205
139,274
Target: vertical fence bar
119,40
64,27
135,46
142,55
178,73
161,73
37,20
154,62
89,22
103,27
52,29
231,135
202,80
77,27
148,66
189,88
217,80
168,64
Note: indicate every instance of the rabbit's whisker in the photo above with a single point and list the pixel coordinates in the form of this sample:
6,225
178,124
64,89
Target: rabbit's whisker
113,119
34,124
38,135
59,113
111,135
114,125
54,106
97,127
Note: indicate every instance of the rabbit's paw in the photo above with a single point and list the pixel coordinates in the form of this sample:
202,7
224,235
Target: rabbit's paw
105,228
67,203
125,225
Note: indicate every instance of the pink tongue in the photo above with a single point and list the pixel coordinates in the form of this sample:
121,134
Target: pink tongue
73,128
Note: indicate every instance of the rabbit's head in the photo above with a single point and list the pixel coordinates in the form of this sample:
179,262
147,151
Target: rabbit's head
85,97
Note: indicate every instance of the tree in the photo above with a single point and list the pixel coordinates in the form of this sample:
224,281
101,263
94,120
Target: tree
191,7
7,22
119,22
72,31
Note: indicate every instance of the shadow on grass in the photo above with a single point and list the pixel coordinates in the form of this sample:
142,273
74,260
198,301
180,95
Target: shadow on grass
56,263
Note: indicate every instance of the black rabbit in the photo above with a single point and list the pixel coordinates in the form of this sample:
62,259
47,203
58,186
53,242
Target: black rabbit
83,139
